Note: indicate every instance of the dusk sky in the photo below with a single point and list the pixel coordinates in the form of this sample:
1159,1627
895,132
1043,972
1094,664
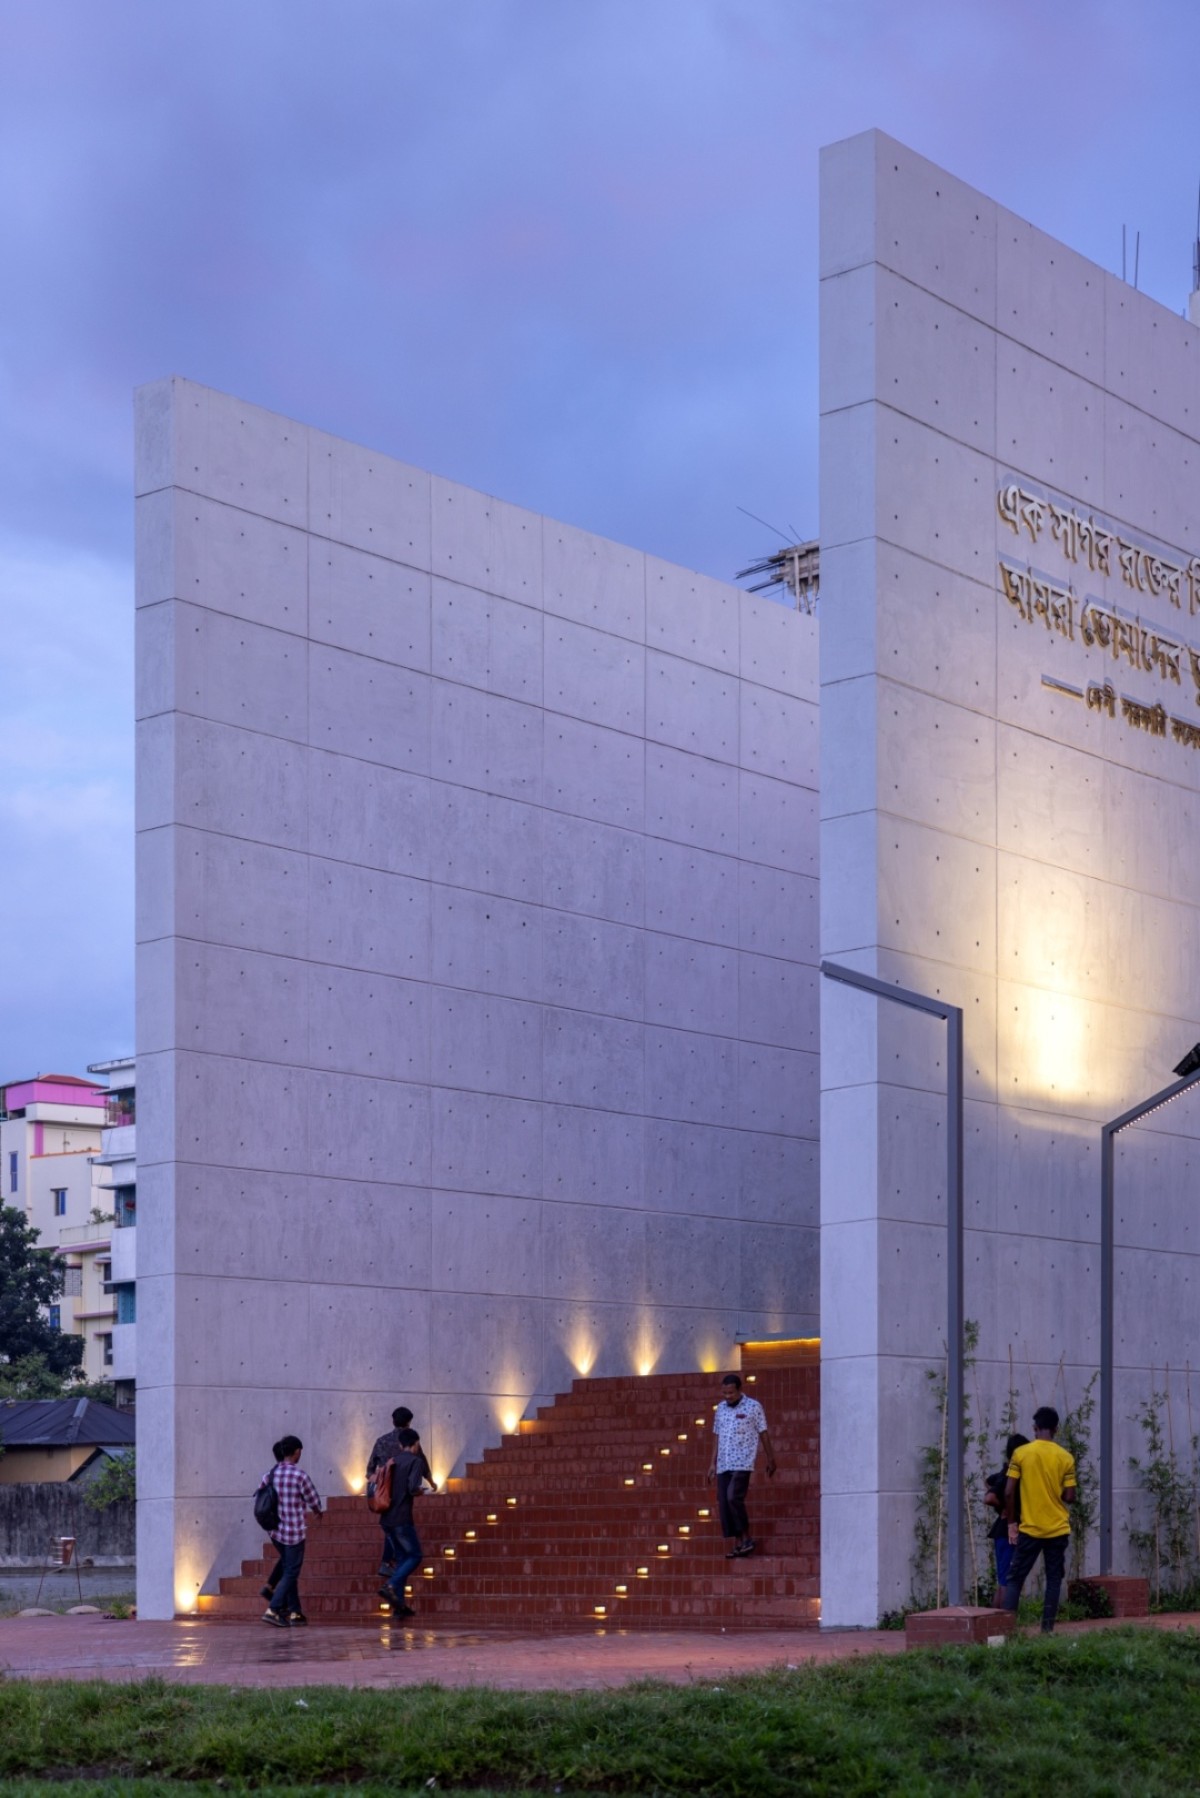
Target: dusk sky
562,250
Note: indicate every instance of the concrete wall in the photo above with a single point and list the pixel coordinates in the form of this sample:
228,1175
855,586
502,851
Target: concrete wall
477,920
1015,846
32,1516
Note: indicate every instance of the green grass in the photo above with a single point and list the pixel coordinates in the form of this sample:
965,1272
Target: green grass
1112,1713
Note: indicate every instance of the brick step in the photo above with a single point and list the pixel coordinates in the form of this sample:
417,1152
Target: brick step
603,1495
541,1593
785,1535
790,1552
568,1557
620,1509
591,1586
580,1482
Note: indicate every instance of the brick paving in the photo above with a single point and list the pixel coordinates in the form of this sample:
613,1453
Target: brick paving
204,1652
207,1652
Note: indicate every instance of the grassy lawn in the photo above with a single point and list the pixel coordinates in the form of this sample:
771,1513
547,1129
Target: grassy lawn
1114,1712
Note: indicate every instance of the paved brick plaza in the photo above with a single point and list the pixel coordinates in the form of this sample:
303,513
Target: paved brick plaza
243,1654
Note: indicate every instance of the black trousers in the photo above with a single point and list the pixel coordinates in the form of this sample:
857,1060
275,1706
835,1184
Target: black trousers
731,1500
1053,1550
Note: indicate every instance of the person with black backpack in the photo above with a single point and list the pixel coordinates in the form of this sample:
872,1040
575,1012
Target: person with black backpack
268,1521
283,1498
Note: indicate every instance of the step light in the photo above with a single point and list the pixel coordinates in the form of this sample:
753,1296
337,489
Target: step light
600,1610
647,1466
664,1451
643,1573
510,1501
470,1536
620,1590
631,1481
429,1573
700,1421
491,1516
704,1511
682,1436
685,1529
449,1553
664,1548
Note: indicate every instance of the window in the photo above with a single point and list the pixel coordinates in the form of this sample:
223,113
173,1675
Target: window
125,1207
126,1304
106,1346
72,1282
12,1170
56,1317
60,1201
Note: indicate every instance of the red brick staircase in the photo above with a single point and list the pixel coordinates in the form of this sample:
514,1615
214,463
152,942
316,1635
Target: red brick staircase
596,1513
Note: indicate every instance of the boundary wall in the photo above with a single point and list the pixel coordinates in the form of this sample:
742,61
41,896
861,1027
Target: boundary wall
1010,765
477,922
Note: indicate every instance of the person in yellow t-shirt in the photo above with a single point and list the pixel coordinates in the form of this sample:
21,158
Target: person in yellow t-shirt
1044,1475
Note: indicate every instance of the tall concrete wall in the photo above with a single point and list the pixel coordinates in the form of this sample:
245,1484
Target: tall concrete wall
1010,446
477,920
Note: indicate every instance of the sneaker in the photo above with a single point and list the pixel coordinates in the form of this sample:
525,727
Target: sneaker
387,1593
295,1617
402,1610
745,1548
275,1620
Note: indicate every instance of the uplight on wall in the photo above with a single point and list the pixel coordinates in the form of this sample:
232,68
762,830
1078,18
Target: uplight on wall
581,1352
187,1597
1044,1042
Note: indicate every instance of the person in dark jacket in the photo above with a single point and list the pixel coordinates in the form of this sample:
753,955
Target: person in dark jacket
397,1521
994,1499
386,1448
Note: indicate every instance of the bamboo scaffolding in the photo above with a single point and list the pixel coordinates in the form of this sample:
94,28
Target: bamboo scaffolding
942,1479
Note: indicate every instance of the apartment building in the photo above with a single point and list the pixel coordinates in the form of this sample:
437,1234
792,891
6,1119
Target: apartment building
50,1127
67,1162
114,1189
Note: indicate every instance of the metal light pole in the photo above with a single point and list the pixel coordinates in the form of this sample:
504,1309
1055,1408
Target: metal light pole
1108,1133
953,1018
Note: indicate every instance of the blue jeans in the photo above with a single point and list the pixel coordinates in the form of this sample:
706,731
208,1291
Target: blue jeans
1004,1555
408,1558
287,1592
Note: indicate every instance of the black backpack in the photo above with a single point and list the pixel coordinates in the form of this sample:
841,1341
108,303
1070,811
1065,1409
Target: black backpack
266,1505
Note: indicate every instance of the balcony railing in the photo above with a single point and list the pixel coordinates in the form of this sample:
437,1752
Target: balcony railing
79,1234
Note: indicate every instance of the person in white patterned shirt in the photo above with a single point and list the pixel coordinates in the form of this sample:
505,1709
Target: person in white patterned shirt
739,1425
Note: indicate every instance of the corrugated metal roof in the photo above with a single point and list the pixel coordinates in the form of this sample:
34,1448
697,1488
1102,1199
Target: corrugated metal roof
64,1423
